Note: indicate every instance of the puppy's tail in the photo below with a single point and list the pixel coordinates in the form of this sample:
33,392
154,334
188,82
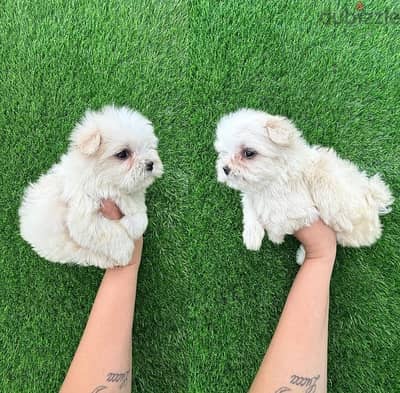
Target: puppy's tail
380,194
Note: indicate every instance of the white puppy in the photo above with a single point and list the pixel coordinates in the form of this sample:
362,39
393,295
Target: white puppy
287,184
112,154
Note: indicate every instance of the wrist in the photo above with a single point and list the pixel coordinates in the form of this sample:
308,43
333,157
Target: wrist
133,265
324,260
322,250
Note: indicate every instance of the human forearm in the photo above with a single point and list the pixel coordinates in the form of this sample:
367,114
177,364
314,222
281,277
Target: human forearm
306,309
103,358
297,353
296,360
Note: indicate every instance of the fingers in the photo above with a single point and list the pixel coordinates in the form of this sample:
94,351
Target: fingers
318,239
110,210
137,253
316,230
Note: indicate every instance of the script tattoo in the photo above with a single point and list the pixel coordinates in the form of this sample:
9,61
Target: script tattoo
283,389
120,378
310,384
99,389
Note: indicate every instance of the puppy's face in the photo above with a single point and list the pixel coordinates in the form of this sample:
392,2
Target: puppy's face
121,146
252,148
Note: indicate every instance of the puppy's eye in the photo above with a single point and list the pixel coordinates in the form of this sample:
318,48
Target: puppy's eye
123,154
249,153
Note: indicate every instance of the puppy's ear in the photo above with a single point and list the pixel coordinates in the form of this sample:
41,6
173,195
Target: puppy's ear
88,143
86,136
281,130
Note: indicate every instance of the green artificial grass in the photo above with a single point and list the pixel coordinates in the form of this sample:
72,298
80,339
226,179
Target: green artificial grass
206,307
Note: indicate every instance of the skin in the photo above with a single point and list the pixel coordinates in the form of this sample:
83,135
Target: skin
296,360
103,360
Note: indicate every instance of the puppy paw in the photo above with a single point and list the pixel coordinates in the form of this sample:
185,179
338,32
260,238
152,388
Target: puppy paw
300,255
135,225
252,237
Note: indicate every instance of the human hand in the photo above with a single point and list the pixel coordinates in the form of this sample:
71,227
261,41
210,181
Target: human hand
319,240
137,252
110,210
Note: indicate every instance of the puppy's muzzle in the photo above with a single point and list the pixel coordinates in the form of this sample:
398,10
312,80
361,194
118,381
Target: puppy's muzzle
226,169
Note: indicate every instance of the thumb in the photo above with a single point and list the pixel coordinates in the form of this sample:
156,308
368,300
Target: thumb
110,210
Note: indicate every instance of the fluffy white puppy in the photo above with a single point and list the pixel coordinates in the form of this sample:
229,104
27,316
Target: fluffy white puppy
287,184
112,154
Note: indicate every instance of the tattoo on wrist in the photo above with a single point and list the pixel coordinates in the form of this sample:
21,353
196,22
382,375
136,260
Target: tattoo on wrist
309,384
99,388
118,378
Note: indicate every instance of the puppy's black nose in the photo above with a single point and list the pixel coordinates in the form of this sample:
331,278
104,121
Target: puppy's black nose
226,169
149,165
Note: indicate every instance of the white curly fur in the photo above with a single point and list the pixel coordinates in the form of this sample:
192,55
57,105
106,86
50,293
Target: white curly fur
287,184
59,214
